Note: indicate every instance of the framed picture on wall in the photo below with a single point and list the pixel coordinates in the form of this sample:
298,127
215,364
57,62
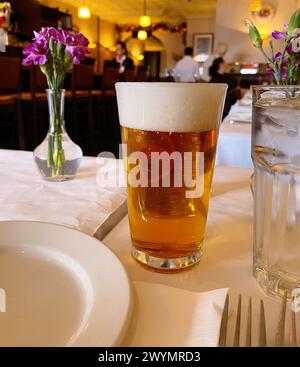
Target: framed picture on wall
203,46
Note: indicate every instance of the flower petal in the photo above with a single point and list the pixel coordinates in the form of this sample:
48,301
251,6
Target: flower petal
296,44
278,35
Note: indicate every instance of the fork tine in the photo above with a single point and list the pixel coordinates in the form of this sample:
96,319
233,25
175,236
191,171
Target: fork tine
236,342
262,326
223,327
249,324
293,333
279,340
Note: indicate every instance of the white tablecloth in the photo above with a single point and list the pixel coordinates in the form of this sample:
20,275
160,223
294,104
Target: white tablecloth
227,262
234,145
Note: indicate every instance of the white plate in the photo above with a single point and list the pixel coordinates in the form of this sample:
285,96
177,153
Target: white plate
62,288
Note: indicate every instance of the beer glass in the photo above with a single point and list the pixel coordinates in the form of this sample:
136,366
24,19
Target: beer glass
169,134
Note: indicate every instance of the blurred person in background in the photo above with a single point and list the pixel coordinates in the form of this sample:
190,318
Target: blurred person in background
218,74
220,51
187,69
122,60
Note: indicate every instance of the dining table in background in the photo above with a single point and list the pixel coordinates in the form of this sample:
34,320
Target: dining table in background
234,144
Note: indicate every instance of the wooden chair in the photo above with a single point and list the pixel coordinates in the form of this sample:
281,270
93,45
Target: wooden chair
36,97
81,94
129,75
110,77
10,85
142,74
107,114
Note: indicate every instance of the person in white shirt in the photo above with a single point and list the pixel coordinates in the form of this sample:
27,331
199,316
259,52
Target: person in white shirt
187,69
220,51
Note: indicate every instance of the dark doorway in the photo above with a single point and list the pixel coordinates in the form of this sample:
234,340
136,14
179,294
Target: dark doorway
152,61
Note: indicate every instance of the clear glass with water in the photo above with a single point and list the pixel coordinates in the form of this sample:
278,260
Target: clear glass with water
276,158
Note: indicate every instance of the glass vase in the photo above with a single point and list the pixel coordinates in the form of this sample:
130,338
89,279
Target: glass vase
57,157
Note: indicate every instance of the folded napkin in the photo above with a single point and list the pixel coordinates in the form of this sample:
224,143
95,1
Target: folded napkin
167,316
239,117
80,203
240,109
245,102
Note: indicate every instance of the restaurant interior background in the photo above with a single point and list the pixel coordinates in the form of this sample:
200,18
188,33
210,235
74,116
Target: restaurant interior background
91,113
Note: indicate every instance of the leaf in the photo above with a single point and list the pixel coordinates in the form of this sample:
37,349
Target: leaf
294,22
254,34
61,51
52,46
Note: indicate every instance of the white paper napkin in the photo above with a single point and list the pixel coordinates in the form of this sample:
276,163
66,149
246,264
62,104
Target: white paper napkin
167,316
80,203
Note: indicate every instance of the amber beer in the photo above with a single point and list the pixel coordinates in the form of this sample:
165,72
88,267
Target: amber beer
167,226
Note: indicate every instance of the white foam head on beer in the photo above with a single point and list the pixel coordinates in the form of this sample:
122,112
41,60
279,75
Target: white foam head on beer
171,107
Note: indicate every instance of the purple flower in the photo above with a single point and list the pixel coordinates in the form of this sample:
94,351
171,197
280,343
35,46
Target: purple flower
76,46
283,68
55,49
278,57
283,72
64,36
46,33
278,35
269,69
77,54
36,53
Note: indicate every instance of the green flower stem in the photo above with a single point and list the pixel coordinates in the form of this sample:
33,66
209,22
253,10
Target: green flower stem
56,154
276,69
293,71
55,71
273,65
272,49
265,55
286,43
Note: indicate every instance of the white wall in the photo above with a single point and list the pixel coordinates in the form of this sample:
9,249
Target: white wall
173,43
199,25
174,49
230,27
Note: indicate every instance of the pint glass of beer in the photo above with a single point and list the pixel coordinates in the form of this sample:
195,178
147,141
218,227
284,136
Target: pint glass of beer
169,134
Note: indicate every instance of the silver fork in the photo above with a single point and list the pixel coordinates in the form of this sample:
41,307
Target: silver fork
224,325
279,339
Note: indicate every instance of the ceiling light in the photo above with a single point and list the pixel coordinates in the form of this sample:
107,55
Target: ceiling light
142,35
255,5
84,12
145,20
